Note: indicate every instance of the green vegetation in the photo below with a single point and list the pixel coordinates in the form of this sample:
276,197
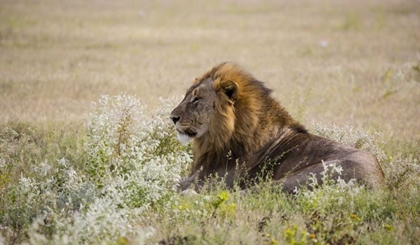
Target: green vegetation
71,173
115,183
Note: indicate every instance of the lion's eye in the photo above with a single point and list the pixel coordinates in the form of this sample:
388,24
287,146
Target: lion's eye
195,100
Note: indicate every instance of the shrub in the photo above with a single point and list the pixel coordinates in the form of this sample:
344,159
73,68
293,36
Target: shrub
356,137
133,163
138,149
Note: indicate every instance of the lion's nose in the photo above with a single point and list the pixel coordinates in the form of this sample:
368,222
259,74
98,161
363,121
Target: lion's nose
175,119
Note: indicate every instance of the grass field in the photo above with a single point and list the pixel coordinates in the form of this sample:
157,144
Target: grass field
69,173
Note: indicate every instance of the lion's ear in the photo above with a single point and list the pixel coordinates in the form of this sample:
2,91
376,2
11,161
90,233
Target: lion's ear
230,88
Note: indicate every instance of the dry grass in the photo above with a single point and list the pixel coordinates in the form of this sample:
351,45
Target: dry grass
332,61
353,63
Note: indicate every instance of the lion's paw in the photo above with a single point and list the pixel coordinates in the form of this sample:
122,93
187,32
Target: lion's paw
189,193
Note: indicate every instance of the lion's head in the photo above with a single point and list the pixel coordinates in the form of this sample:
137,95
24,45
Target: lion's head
207,109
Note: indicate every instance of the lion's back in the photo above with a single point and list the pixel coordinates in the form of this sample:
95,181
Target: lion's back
311,154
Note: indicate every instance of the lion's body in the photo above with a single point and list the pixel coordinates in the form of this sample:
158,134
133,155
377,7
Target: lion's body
240,132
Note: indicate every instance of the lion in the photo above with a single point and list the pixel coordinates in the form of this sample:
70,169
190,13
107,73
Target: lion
242,134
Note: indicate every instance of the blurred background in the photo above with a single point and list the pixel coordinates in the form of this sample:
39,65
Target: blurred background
335,62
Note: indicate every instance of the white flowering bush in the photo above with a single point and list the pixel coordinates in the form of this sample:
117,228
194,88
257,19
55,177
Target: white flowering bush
136,147
331,192
132,163
352,136
51,191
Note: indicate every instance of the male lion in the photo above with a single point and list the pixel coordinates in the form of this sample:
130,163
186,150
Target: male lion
240,133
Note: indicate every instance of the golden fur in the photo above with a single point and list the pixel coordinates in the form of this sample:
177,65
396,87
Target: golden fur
231,118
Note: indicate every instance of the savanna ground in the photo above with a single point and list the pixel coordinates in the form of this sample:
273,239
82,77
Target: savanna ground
75,173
